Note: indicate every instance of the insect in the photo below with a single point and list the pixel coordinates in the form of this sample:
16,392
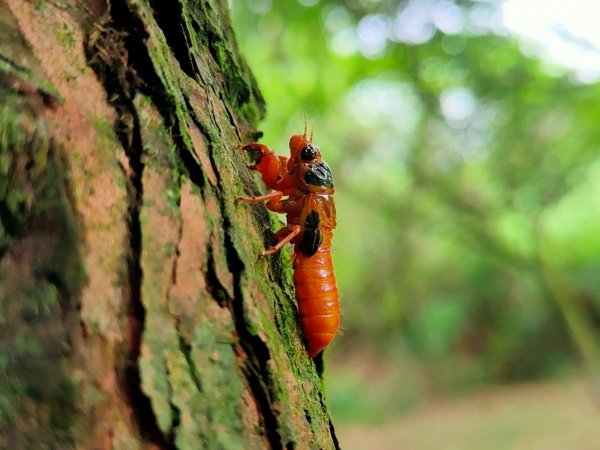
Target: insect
303,189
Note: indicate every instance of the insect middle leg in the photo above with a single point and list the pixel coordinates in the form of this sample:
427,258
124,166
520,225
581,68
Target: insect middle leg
274,196
275,202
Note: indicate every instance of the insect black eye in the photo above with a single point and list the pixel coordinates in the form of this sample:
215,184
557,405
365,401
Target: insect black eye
308,153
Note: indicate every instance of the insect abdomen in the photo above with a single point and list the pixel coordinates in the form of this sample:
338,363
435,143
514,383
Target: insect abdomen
318,298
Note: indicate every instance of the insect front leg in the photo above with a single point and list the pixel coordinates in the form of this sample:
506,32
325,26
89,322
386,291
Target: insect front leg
271,166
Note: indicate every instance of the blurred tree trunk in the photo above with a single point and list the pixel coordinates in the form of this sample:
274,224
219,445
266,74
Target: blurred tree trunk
134,312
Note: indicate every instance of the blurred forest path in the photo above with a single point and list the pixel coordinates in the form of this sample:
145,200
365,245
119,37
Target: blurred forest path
552,415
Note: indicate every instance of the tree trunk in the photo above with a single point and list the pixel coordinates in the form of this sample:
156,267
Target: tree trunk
134,311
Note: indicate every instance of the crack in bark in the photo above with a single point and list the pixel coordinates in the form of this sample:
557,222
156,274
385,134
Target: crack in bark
336,443
331,428
256,351
175,411
319,365
168,17
237,89
208,134
186,350
186,154
109,51
14,64
213,284
231,117
177,247
25,88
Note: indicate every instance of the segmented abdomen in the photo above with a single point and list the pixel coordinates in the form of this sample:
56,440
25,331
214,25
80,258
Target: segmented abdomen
317,296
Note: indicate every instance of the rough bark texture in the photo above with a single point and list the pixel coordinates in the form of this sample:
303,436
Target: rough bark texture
134,311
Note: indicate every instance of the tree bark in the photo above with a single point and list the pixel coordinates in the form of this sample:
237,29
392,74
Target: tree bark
134,310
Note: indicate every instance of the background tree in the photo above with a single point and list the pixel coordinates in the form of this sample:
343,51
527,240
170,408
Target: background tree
466,170
134,312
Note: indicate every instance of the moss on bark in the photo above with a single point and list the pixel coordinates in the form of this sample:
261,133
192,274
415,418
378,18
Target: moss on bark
40,273
155,319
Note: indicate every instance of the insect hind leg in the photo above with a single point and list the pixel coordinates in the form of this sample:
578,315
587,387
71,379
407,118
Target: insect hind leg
284,236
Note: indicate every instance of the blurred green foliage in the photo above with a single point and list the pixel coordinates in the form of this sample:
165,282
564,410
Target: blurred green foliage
467,181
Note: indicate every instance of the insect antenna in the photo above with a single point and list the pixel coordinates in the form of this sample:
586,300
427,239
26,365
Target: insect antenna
304,125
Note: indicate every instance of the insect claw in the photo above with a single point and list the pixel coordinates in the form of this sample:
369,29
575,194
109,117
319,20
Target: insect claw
239,200
268,252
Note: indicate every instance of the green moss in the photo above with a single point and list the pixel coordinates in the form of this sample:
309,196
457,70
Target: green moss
215,364
65,36
170,249
40,5
155,380
34,344
172,196
12,134
62,411
195,190
18,133
104,128
239,85
35,297
250,112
